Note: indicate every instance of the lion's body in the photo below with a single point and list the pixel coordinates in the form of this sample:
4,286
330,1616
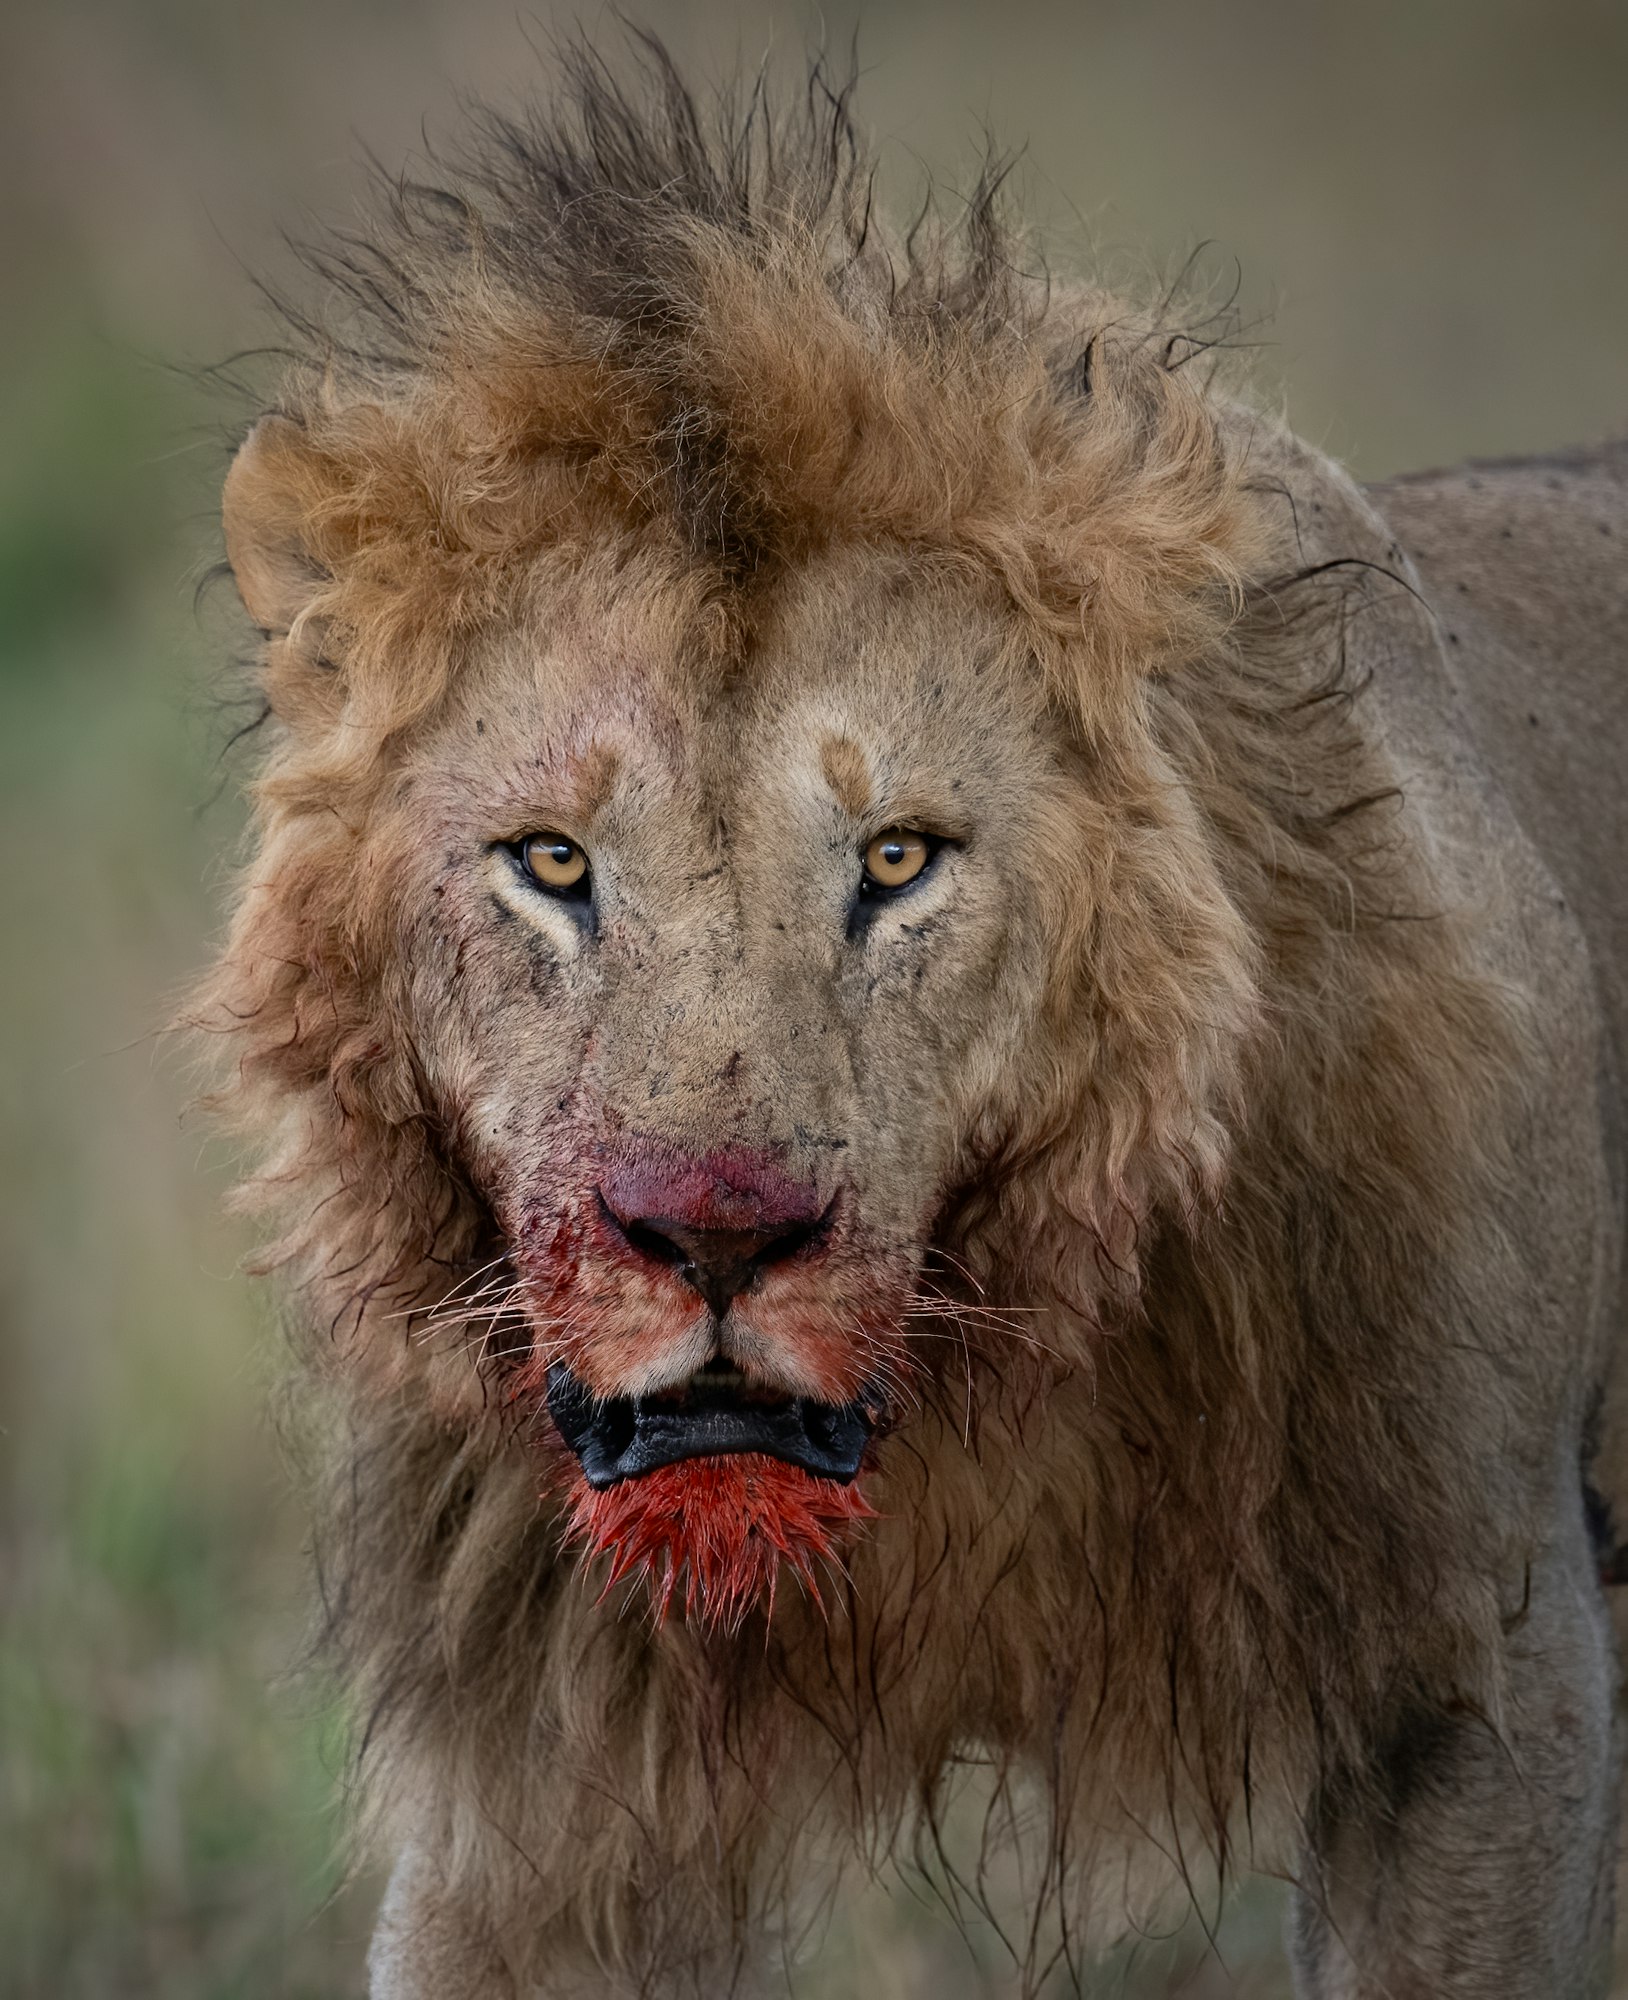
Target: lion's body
1524,564
1203,1185
1523,561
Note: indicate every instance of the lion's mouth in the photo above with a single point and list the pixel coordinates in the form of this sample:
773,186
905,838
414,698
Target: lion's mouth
716,1415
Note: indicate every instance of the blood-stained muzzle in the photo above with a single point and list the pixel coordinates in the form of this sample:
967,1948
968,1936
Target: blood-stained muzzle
714,1333
659,1263
721,1222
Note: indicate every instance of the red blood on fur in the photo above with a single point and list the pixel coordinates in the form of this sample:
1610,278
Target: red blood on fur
719,1528
731,1187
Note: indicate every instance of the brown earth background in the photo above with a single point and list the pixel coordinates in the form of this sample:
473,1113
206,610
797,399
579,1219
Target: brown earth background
1426,199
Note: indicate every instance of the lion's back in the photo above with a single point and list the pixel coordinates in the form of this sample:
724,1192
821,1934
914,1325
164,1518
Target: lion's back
1525,563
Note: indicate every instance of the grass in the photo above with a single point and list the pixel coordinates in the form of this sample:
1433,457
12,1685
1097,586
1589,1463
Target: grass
166,1787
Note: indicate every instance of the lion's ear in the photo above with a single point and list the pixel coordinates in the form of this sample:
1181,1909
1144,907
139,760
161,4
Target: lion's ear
271,489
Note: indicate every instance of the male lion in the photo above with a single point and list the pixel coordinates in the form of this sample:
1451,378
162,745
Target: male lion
931,1021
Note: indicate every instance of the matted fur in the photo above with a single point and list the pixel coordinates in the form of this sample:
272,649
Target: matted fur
1194,1504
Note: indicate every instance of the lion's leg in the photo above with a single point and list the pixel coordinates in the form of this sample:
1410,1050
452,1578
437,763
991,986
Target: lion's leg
525,1935
1486,1872
425,1947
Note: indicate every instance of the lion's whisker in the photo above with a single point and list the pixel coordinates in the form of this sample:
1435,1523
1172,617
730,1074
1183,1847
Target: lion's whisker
407,1312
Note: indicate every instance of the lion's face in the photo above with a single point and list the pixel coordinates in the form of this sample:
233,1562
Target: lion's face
575,936
713,1076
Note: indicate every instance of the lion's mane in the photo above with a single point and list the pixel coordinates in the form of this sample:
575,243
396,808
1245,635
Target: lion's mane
631,312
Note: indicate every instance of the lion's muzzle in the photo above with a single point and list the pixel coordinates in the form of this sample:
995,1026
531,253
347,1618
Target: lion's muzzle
714,1328
714,1416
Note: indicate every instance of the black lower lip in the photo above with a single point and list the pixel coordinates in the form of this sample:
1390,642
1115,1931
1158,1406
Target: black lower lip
625,1436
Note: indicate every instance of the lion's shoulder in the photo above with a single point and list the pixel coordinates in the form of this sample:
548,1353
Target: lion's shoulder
1525,562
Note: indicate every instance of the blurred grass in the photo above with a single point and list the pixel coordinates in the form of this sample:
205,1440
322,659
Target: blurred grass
1437,195
165,1795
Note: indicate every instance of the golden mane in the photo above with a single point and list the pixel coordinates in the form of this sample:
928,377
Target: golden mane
628,323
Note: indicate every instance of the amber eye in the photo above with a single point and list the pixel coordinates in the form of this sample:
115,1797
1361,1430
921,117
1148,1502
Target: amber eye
553,862
895,858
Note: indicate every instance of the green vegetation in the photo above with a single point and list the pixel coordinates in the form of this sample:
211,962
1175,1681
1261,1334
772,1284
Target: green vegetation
166,1789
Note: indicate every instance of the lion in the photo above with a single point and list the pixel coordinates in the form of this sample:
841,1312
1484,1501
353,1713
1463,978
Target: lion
930,1031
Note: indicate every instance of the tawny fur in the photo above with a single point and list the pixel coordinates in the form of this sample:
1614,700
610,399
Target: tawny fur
1219,1460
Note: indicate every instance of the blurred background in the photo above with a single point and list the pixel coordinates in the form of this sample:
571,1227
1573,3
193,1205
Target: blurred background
1426,199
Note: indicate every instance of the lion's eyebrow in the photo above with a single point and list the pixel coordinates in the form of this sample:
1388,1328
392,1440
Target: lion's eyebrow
591,776
847,773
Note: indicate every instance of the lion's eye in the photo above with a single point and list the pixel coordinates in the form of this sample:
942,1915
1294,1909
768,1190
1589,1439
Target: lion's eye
555,863
895,858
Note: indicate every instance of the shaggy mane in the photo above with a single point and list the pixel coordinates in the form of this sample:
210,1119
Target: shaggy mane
631,315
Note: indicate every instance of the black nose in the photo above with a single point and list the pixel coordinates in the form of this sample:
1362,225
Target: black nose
719,1263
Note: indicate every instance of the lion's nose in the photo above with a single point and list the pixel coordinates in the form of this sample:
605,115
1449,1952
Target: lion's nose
719,1263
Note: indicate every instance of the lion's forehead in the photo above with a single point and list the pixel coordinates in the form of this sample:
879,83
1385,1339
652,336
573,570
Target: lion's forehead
615,704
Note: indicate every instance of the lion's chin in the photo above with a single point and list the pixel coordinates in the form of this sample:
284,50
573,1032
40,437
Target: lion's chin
711,1534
